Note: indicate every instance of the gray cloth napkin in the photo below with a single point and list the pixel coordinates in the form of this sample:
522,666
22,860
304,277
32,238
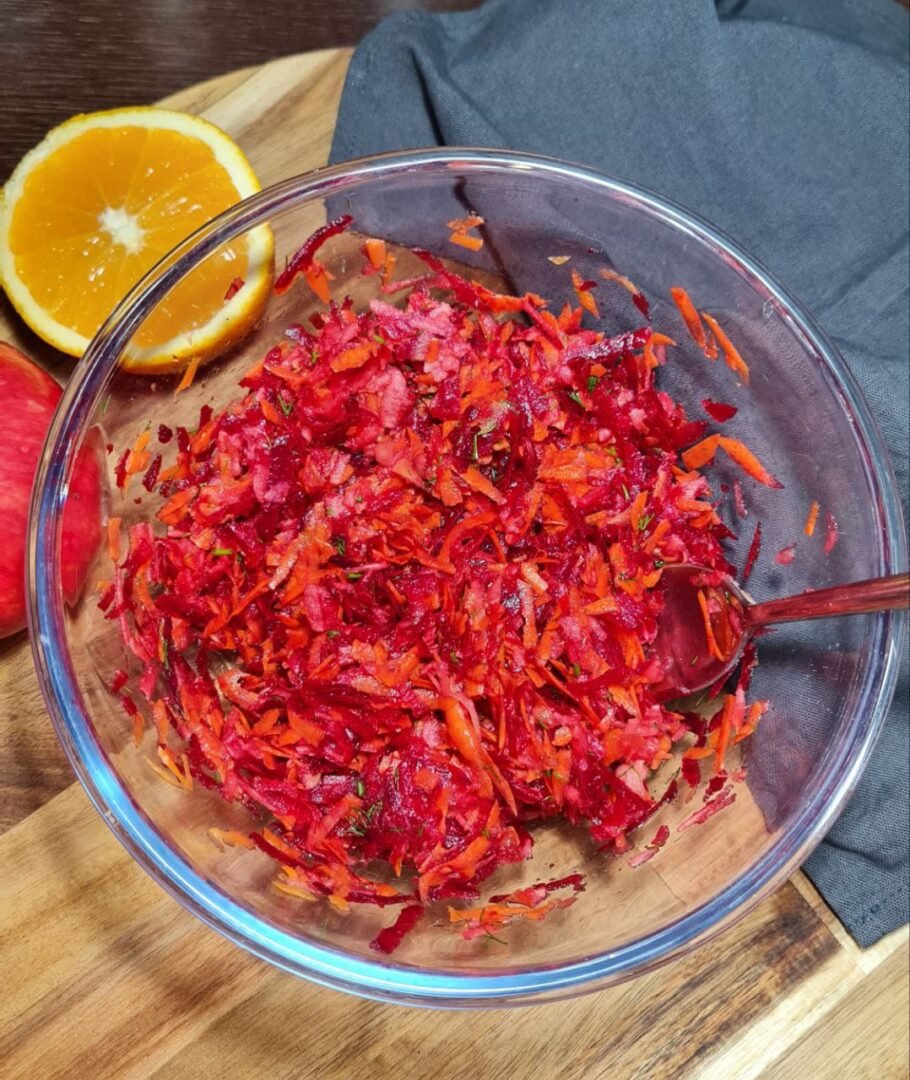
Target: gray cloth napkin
782,121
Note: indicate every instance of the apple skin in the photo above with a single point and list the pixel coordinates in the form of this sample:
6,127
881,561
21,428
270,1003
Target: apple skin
29,397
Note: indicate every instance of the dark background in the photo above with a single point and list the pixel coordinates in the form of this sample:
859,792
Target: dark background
59,57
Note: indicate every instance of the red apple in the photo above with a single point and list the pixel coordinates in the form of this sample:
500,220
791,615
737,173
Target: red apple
29,396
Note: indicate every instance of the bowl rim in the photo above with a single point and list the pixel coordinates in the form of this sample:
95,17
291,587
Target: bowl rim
326,964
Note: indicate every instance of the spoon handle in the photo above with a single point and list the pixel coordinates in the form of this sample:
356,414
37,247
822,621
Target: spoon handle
857,598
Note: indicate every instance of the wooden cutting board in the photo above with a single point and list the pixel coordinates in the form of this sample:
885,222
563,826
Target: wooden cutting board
104,975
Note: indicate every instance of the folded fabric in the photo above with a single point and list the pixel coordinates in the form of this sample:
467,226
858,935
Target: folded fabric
786,126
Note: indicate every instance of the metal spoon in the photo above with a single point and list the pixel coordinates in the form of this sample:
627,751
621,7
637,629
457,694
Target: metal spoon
708,619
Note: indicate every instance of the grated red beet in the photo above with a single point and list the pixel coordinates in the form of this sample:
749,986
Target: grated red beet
718,410
832,532
753,552
388,939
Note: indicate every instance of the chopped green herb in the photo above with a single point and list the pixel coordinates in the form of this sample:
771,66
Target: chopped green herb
576,671
314,357
361,790
644,521
658,563
613,452
338,543
379,339
222,551
353,576
332,633
493,937
626,492
593,380
576,397
286,406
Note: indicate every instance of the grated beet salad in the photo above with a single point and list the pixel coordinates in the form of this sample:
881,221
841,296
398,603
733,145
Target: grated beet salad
403,595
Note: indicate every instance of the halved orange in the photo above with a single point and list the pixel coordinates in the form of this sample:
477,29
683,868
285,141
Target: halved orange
99,201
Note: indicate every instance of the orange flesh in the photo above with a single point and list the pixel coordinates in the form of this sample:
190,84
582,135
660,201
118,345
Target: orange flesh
168,186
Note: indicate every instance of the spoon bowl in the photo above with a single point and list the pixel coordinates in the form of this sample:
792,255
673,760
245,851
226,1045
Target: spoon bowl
708,620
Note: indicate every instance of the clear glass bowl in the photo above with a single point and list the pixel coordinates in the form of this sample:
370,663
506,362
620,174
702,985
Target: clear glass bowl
830,682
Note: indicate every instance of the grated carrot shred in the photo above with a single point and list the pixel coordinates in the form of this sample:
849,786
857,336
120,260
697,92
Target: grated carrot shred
113,538
376,252
713,647
732,357
747,461
461,235
585,298
231,838
189,374
702,453
269,411
475,478
690,317
318,280
620,279
466,240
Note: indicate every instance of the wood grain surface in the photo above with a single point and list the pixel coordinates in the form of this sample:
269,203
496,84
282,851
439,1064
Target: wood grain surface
61,58
106,975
